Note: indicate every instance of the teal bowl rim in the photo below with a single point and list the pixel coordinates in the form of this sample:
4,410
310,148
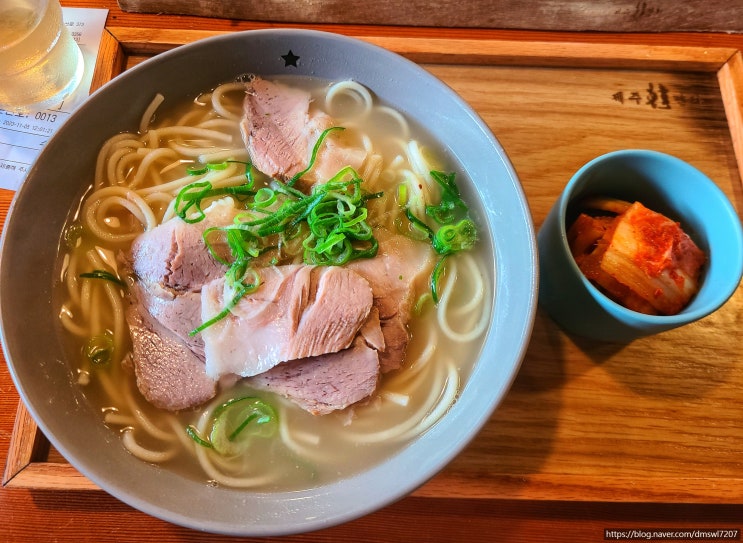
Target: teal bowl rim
628,315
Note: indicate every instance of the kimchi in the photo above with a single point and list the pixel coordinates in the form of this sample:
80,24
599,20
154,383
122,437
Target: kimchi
641,259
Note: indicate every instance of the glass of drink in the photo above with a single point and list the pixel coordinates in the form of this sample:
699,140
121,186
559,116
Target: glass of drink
40,63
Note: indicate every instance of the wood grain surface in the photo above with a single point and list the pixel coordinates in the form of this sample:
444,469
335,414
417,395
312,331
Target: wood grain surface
581,15
591,436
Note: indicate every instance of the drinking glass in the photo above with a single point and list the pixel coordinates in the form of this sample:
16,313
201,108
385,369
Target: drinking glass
40,63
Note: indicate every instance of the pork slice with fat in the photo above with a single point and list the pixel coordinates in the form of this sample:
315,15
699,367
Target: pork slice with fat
170,264
274,127
398,275
174,254
280,129
298,311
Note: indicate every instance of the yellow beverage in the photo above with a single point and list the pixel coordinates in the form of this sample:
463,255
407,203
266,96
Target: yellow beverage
40,63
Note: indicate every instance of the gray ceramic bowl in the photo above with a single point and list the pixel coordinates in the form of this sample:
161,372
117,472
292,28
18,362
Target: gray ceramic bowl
56,182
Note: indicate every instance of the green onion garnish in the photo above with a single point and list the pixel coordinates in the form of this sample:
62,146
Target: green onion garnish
191,196
236,423
206,168
329,224
105,275
193,433
451,202
456,232
99,349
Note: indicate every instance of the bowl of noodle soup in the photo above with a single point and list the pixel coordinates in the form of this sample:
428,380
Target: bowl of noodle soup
123,165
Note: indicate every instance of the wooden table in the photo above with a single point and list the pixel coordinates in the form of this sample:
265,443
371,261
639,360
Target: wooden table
592,436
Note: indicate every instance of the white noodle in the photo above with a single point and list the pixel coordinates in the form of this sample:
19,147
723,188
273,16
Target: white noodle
308,450
218,96
218,124
116,170
144,123
101,167
448,397
473,328
118,419
152,155
403,128
191,132
71,279
206,459
396,398
121,196
65,317
197,117
144,422
356,92
154,457
116,303
113,391
396,432
227,154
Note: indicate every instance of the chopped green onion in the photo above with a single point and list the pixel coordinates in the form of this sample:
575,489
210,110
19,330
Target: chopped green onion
73,234
444,212
99,349
456,232
421,302
191,196
193,433
452,238
105,275
313,156
331,220
238,422
438,269
197,170
264,198
418,224
402,195
200,170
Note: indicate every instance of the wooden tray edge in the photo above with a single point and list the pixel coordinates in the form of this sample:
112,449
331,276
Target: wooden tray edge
26,468
730,78
150,41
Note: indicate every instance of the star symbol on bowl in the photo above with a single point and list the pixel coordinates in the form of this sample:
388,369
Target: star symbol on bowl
290,59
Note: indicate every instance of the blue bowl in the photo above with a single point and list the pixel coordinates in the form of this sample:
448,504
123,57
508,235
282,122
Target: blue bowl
664,184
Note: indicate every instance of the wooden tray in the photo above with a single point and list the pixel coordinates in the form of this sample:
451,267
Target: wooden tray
658,420
580,15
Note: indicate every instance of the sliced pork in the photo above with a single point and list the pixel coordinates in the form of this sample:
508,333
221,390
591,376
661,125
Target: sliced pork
299,311
169,374
317,335
303,316
179,313
170,264
397,276
174,255
326,383
280,129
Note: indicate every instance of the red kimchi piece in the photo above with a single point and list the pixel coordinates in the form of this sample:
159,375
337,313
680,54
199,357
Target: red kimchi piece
639,258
